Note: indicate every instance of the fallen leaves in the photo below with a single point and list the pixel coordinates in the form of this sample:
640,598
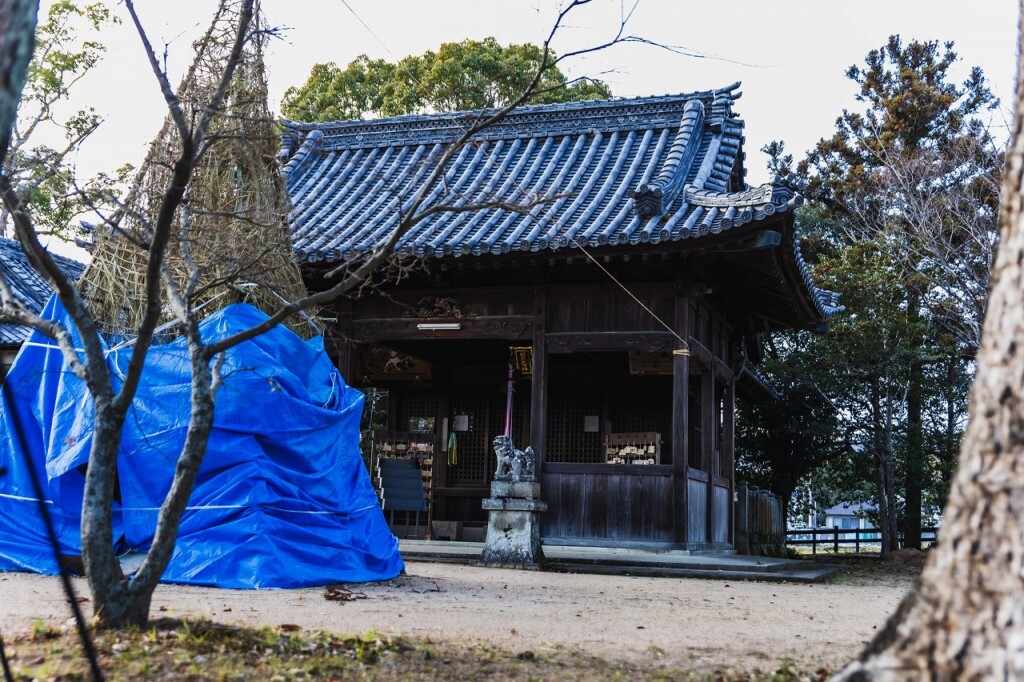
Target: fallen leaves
341,593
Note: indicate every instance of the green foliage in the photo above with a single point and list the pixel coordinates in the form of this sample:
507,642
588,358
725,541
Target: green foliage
40,172
910,104
903,223
461,76
779,441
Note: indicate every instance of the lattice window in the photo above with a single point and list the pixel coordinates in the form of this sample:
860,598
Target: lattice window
475,444
643,406
566,439
416,406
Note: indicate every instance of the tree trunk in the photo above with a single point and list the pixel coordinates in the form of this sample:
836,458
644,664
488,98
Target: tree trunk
17,41
915,459
106,580
965,620
883,475
890,494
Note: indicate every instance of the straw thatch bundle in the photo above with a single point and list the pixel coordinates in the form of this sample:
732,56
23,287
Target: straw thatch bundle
233,222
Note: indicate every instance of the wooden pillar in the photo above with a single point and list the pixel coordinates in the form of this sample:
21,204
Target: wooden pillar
729,450
709,444
680,405
539,385
345,362
443,379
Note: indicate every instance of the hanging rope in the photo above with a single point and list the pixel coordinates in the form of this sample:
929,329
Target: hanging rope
508,401
685,350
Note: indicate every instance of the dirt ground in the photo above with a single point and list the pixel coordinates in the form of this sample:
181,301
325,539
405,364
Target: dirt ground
689,623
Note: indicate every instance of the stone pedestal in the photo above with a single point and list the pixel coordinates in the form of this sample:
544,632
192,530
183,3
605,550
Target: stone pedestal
513,528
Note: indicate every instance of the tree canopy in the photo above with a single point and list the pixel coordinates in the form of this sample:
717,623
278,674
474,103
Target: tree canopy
902,221
472,74
66,50
962,621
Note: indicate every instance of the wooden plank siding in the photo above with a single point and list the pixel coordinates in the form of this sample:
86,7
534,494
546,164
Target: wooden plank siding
605,502
581,337
697,516
720,518
609,309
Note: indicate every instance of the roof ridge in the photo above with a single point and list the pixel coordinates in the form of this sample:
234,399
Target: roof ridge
608,103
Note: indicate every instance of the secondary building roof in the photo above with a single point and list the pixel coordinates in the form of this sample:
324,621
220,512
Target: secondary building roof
27,285
652,170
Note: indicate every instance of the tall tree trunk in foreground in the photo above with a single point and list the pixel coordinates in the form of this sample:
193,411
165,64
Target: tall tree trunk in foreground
965,620
17,40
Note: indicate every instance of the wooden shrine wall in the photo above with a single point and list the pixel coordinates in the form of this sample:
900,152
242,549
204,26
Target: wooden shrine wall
686,501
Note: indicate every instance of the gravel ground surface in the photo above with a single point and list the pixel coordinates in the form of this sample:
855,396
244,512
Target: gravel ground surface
690,623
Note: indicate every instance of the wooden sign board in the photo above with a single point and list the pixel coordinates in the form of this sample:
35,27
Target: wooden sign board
522,359
380,363
645,363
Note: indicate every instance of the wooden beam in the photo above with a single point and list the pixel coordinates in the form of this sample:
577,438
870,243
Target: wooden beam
571,342
705,357
489,327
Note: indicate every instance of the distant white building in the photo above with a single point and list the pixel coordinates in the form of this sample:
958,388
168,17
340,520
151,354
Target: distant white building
849,516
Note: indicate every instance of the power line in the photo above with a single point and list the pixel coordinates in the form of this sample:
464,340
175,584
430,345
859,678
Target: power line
546,212
368,29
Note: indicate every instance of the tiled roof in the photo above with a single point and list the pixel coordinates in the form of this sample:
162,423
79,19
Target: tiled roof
625,171
27,285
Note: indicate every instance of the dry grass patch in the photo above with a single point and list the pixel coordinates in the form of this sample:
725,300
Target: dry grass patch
202,650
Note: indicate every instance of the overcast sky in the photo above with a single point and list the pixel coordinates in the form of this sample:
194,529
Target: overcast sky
791,55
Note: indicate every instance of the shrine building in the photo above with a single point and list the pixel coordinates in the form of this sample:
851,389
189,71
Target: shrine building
609,327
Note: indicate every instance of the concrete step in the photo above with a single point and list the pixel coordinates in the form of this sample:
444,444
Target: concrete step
621,561
815,574
681,560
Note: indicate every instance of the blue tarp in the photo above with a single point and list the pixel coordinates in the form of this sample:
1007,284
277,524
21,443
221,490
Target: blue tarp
282,499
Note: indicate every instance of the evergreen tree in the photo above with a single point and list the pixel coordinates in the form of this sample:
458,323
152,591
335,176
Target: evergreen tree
472,74
906,193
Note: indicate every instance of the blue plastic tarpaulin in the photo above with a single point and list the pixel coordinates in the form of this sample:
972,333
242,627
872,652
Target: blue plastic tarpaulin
282,498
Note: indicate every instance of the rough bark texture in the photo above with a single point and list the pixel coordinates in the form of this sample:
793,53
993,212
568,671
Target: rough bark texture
965,621
17,40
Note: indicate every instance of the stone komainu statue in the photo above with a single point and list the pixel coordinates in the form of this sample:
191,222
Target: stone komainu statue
514,465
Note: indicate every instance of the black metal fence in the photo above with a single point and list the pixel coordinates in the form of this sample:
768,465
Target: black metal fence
835,538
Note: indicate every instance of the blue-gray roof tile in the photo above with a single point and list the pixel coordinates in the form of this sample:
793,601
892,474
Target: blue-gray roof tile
621,171
27,285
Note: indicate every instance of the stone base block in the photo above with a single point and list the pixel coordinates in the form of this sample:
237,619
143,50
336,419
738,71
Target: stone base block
514,504
523,489
513,539
446,530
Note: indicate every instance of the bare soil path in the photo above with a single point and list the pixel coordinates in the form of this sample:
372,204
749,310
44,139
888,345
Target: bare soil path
689,623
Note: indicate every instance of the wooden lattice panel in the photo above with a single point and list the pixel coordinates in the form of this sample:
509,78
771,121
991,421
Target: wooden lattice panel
474,444
645,406
416,405
567,441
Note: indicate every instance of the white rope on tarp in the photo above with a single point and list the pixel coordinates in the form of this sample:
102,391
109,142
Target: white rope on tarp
25,499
